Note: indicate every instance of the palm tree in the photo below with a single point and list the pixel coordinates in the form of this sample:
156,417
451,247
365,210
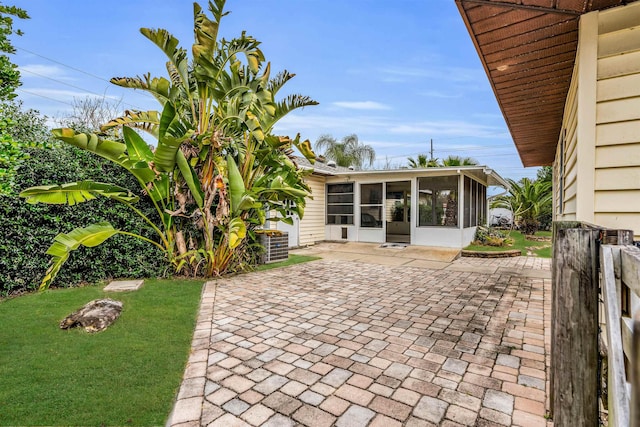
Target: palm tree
459,161
422,161
526,199
347,152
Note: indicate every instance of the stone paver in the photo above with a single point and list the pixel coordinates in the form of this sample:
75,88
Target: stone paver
123,285
355,343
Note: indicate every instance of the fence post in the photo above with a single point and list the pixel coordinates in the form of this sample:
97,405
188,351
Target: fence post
635,372
574,335
555,227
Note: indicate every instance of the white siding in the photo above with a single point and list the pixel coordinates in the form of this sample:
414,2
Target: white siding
597,171
312,225
617,166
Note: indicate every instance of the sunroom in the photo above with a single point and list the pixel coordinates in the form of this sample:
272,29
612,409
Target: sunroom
427,207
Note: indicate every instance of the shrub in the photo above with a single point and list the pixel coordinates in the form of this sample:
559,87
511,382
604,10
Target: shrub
27,231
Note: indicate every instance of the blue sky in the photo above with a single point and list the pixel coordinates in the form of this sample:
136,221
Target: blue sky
396,73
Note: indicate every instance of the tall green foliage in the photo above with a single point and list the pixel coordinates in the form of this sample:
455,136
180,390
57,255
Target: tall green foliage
9,74
459,161
422,161
347,152
19,129
526,199
216,168
545,174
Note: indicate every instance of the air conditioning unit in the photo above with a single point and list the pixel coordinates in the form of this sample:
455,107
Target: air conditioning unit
276,246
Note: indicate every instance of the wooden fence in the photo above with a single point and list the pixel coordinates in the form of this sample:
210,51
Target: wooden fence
574,372
620,287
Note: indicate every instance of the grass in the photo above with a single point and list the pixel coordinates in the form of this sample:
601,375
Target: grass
519,242
544,252
292,260
125,375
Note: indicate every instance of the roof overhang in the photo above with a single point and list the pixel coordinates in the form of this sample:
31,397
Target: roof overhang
528,50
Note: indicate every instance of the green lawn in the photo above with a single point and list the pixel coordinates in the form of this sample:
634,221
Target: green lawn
293,259
126,375
520,243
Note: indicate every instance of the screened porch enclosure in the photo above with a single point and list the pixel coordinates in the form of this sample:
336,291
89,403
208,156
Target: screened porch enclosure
428,209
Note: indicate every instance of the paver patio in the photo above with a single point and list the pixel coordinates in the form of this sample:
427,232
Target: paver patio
346,343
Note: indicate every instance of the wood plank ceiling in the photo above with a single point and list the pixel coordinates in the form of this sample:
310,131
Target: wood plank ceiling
528,49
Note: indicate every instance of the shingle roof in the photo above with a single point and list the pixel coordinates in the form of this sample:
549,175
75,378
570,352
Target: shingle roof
320,167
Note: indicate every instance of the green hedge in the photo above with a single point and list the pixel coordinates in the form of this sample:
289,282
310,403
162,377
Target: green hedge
27,231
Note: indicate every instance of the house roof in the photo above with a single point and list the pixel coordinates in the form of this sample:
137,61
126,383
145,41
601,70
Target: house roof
528,49
483,173
321,166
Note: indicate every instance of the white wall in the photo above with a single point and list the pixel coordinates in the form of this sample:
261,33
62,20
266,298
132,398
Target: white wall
371,235
448,237
334,232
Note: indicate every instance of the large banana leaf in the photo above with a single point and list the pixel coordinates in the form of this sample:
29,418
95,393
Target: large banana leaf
305,149
171,134
169,45
236,184
137,148
159,188
247,201
276,83
158,87
103,147
237,232
206,33
63,244
147,121
111,150
191,178
285,106
279,185
253,124
76,192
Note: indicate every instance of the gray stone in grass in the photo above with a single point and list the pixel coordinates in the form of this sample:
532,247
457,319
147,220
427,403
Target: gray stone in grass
95,316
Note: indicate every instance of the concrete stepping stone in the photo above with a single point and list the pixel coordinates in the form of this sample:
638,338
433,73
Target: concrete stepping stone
124,285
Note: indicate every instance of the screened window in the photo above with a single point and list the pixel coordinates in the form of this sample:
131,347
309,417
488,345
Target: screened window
475,203
438,201
340,203
371,205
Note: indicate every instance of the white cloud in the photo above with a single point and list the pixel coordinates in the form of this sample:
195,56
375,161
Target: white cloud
449,128
450,74
492,116
324,123
362,105
376,124
42,70
397,144
440,94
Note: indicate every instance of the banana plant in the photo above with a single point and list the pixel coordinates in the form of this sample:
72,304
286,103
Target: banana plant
216,167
